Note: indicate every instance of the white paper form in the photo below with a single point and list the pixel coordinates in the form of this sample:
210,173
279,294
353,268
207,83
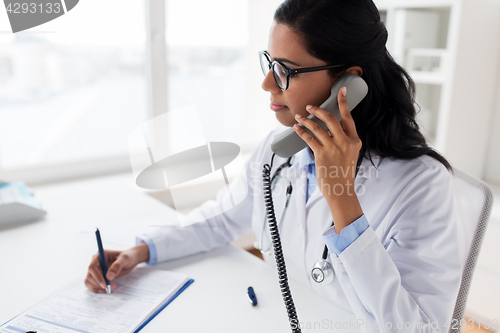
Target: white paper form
77,309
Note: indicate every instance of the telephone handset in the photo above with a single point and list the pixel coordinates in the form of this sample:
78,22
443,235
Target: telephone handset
285,145
288,142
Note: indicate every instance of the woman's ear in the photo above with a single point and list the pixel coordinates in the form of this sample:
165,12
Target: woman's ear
355,70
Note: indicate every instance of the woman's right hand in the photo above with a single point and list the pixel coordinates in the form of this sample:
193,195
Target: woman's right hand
119,263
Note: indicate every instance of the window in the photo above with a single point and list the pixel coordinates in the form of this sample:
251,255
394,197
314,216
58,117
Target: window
206,48
73,88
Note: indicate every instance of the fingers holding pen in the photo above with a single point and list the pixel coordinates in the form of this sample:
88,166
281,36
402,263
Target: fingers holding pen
90,283
119,263
117,267
95,280
95,272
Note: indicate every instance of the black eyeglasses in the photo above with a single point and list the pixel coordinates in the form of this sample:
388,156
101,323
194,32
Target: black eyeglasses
282,73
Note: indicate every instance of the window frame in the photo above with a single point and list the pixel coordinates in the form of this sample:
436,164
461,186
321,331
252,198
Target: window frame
156,85
156,104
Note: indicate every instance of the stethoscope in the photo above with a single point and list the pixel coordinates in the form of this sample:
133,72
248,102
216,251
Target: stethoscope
322,271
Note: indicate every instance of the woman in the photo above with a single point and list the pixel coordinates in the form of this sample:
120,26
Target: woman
393,247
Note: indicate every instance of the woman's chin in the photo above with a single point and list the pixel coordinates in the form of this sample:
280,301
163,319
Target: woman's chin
286,121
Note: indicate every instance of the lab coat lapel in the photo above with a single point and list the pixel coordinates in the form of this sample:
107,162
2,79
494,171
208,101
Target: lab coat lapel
294,244
299,183
316,195
366,172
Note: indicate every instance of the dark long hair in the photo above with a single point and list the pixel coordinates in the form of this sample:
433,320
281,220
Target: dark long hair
350,32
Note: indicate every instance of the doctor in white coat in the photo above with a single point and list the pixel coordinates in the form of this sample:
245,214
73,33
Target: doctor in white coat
394,246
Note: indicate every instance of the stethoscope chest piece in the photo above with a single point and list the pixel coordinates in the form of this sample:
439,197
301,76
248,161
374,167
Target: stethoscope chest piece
322,272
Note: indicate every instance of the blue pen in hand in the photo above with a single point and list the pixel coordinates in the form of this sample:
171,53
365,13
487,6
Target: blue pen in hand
102,260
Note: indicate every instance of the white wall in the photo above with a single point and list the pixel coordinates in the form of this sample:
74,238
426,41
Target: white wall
492,172
260,118
465,127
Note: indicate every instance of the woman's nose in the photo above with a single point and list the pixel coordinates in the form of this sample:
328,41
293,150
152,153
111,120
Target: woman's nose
269,84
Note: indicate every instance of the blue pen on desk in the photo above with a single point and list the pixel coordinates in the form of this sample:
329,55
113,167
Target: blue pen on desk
102,260
251,296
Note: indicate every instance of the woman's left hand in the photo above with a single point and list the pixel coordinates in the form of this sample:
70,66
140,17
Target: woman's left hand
335,155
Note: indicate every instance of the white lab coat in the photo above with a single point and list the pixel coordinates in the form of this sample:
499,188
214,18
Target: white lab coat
404,268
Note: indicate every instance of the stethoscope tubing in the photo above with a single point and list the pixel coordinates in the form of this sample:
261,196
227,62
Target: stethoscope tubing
277,175
289,191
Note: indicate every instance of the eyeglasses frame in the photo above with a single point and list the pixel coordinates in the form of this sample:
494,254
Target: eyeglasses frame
292,71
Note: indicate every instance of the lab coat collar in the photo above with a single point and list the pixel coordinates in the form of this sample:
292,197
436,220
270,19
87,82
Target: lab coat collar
367,170
299,166
305,158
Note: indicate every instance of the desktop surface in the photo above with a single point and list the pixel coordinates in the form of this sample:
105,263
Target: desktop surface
40,257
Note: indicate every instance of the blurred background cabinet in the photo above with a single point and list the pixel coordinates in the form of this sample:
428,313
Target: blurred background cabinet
451,49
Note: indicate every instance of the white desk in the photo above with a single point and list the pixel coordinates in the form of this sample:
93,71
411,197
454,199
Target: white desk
38,258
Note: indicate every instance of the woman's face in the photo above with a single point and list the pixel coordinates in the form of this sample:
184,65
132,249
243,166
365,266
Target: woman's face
311,88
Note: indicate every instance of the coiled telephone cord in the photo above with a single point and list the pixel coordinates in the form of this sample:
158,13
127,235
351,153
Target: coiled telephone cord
278,252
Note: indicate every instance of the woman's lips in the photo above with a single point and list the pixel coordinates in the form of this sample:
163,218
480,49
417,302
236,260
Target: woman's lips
277,107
